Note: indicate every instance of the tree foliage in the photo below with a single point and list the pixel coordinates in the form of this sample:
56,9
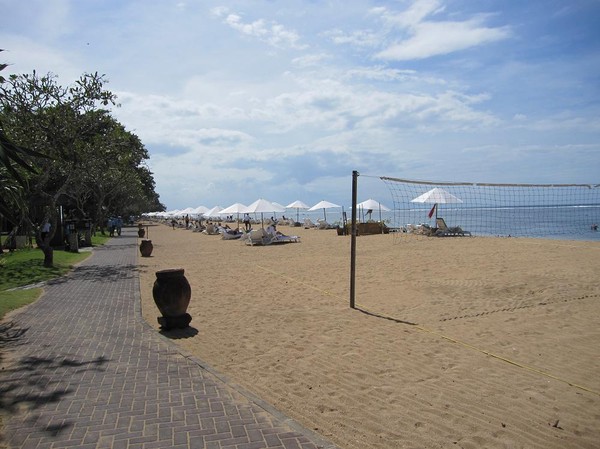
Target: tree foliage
61,147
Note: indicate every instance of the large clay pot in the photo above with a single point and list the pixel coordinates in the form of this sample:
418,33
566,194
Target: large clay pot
172,293
146,248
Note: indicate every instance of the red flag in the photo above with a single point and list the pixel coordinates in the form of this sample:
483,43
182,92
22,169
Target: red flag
432,210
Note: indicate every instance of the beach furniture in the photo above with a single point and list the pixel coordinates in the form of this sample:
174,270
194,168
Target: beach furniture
258,237
444,231
231,234
280,238
322,224
211,229
308,223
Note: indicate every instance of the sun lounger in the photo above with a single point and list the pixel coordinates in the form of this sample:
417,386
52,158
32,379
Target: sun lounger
444,231
322,224
211,229
280,238
308,223
258,237
230,234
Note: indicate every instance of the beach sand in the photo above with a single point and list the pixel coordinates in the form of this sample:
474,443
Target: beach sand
455,342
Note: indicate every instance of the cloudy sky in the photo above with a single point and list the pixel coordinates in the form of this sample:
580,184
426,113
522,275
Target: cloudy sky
237,100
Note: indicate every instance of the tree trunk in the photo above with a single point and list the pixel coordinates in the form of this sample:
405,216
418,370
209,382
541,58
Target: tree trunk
48,256
44,244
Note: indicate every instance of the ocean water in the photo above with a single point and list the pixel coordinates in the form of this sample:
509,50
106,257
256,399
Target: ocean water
549,222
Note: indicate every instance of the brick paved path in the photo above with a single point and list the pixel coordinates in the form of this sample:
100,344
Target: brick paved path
82,370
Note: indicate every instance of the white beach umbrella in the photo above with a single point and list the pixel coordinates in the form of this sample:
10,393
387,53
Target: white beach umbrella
213,212
262,206
436,196
373,205
235,208
370,205
297,205
187,211
323,205
200,210
281,206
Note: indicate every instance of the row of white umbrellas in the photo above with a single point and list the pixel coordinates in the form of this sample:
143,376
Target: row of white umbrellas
435,196
263,206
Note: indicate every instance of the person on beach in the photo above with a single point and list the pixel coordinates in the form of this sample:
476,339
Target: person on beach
247,226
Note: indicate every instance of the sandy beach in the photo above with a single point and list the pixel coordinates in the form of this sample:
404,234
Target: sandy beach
456,342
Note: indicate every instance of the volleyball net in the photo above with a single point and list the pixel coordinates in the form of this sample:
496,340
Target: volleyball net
461,209
563,211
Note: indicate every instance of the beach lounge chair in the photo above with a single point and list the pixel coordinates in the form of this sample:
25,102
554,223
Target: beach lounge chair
211,229
308,223
231,234
258,237
280,238
322,224
444,231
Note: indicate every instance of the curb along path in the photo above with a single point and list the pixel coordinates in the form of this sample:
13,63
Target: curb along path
80,369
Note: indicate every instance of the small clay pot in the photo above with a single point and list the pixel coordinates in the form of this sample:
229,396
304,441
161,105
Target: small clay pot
146,248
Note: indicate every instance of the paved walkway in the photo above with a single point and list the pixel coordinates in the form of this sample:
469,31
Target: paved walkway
82,370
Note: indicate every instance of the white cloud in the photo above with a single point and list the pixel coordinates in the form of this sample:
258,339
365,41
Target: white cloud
439,38
413,34
311,60
414,14
358,38
272,33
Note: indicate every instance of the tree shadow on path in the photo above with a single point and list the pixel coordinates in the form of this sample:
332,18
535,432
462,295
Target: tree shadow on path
29,384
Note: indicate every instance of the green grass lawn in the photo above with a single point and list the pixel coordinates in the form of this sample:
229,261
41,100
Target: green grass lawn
17,298
25,267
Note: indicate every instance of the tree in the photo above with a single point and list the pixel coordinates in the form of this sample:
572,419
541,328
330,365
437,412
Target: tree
12,156
65,148
94,166
42,115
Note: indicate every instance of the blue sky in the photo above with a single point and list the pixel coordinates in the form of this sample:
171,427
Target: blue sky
237,100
